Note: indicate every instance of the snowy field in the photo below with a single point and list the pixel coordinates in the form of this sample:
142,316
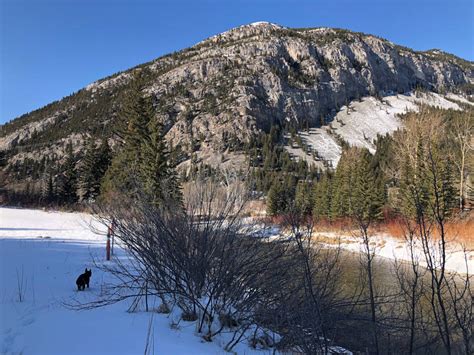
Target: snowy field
41,255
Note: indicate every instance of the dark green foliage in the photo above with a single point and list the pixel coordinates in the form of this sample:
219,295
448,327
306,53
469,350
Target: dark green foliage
159,179
123,176
276,200
356,188
366,200
273,170
48,188
342,185
426,183
95,163
142,167
322,197
304,198
269,161
67,189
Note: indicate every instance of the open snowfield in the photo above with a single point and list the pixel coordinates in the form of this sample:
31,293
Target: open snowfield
42,253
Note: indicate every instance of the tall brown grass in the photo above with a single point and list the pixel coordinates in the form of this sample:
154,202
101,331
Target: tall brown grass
459,230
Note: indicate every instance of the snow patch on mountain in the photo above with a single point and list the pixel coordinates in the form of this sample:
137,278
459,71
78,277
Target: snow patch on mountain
264,23
360,122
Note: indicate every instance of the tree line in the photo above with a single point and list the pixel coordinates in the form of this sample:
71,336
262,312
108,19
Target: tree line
330,196
139,161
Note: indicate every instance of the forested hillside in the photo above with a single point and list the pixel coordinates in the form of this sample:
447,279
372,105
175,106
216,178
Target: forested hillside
259,98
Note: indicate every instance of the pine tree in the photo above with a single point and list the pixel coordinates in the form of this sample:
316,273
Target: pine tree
103,159
322,198
440,178
414,182
47,188
95,163
142,168
303,198
276,201
123,176
342,184
365,202
158,177
68,183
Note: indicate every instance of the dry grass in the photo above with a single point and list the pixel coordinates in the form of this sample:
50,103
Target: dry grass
339,225
255,208
462,231
459,231
332,240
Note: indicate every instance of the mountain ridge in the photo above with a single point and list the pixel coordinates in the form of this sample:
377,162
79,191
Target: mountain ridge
435,51
214,96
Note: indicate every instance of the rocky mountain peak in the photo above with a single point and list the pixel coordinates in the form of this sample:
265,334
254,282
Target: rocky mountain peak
214,96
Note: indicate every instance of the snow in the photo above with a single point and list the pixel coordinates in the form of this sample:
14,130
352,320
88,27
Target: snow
396,249
50,249
323,143
259,23
360,122
459,98
264,23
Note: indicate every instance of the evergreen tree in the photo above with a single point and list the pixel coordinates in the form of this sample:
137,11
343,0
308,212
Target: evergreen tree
68,183
342,184
365,202
123,176
142,168
95,163
276,199
322,198
427,183
104,158
47,188
303,198
414,186
446,190
158,177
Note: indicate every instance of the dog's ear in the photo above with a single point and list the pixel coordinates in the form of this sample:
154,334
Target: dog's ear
85,271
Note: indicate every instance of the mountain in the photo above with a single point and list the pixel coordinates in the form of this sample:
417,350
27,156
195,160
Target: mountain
328,85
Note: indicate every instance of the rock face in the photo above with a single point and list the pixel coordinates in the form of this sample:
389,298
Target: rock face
215,95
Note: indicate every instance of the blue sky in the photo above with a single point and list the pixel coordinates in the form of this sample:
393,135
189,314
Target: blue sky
51,48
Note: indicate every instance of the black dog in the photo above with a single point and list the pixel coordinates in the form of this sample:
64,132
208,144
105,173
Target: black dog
83,280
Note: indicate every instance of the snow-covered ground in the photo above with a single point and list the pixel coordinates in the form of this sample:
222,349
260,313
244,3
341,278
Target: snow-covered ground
392,248
360,122
41,255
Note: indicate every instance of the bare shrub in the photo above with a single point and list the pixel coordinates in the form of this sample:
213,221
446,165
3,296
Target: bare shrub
204,258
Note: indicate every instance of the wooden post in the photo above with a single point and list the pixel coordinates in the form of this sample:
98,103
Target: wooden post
107,247
113,235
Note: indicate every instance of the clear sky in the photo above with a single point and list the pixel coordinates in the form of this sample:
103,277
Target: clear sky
51,48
